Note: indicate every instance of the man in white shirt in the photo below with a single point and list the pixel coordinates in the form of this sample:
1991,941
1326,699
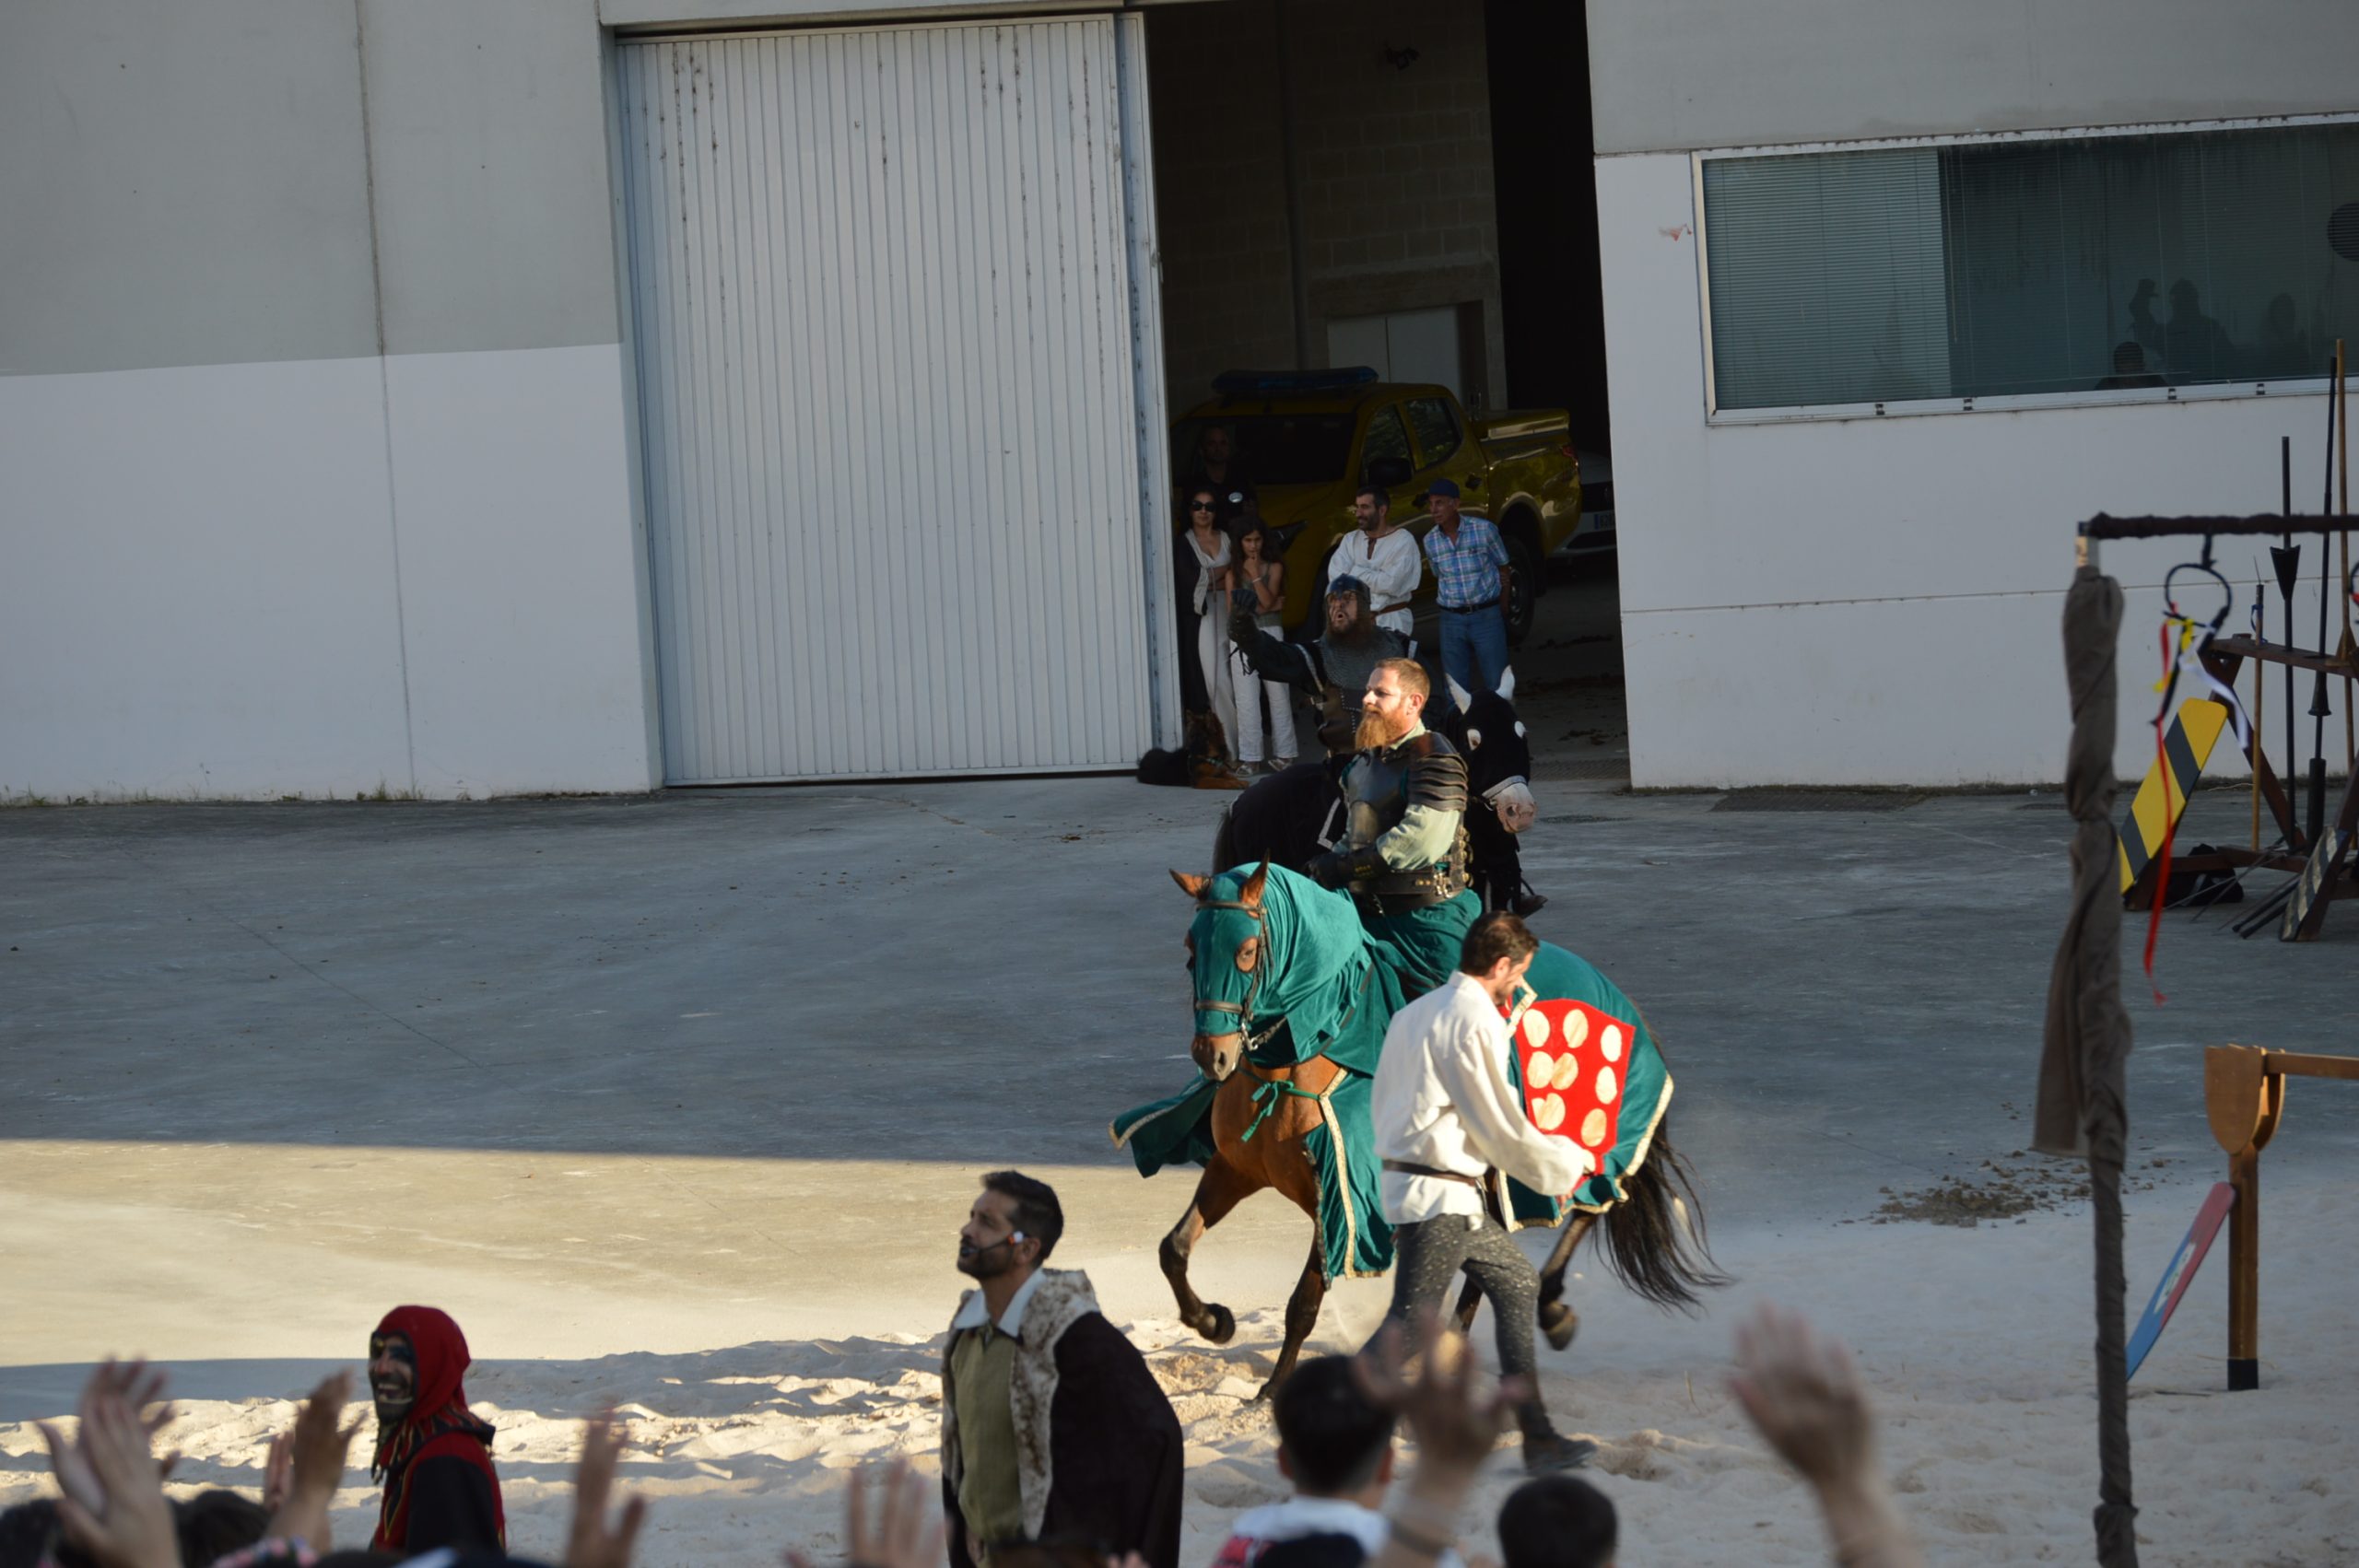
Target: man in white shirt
1449,1125
1381,555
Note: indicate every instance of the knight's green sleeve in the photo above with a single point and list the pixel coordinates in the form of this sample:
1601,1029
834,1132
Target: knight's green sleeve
1436,805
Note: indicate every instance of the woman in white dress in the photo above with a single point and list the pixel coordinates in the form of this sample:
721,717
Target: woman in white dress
1257,585
1206,537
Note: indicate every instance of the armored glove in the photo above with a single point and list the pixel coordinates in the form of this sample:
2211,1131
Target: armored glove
1243,629
1341,868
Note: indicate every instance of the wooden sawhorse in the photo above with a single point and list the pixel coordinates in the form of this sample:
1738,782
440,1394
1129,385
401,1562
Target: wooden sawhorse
2244,1098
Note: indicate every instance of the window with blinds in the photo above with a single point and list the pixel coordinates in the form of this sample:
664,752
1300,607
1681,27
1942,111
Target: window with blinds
2094,264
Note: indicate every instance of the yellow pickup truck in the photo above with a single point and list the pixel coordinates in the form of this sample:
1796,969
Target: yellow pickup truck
1301,442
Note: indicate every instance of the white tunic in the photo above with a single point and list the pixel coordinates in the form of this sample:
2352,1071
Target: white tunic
1391,566
1442,1098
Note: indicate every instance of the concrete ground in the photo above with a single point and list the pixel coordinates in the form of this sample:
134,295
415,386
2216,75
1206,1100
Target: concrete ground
712,1067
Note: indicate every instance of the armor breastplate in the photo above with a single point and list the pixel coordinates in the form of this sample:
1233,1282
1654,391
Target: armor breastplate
1378,789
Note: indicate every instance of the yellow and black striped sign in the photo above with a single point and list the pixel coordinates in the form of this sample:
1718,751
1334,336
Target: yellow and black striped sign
2186,745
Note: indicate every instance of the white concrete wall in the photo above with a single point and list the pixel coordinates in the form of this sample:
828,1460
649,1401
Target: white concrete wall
1682,73
1878,600
315,426
202,596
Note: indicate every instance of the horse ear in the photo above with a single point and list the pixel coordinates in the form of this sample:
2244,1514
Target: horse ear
1459,695
1506,683
1193,887
1251,892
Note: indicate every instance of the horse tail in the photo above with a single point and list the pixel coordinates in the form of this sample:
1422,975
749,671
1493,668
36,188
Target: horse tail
1654,1236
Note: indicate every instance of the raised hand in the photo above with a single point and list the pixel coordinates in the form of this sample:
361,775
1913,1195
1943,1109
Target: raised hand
596,1541
140,1387
908,1531
132,1527
1804,1397
1808,1401
1456,1423
315,1455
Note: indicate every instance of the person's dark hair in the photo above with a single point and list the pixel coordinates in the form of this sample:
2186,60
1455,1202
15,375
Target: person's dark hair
25,1529
2128,358
1038,1214
1332,1438
1493,937
1383,496
1558,1521
1252,526
213,1524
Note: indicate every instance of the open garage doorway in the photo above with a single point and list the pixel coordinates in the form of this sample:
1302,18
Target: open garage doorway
1408,185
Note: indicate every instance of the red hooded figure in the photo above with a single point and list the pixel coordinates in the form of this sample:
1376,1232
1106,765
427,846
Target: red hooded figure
435,1459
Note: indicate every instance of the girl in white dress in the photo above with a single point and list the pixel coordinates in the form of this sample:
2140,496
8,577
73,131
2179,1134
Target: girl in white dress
1259,585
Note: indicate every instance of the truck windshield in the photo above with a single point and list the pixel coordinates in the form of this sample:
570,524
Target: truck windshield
1272,449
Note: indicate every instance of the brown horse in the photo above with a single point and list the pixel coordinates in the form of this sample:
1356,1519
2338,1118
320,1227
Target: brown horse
1257,1148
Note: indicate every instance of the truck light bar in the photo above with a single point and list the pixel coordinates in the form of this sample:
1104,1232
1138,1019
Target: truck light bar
1232,383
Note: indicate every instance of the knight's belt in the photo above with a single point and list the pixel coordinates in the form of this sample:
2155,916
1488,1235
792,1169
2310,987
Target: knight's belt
1390,892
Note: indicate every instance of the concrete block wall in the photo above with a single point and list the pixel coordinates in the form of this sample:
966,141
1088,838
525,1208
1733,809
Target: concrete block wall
1400,210
1395,176
1219,193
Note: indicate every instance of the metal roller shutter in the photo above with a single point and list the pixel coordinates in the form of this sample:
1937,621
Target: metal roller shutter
899,474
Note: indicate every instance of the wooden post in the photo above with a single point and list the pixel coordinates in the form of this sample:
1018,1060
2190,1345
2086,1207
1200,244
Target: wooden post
2243,1273
2242,1100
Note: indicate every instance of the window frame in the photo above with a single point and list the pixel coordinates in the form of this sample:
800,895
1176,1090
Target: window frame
1457,431
1820,412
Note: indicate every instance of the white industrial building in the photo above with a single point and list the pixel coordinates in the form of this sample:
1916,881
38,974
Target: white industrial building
1865,266
459,399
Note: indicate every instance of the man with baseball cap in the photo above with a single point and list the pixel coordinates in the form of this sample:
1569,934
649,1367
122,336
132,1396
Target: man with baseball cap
1470,563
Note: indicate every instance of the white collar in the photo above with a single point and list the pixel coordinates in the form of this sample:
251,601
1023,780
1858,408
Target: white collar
973,1313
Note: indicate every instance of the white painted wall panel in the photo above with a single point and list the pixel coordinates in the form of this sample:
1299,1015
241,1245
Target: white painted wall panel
1877,601
198,590
881,295
520,583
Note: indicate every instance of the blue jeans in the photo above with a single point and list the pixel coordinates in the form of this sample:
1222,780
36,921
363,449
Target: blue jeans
1474,648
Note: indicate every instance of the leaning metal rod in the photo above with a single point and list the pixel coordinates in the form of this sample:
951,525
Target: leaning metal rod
2259,698
2342,465
2318,705
2288,561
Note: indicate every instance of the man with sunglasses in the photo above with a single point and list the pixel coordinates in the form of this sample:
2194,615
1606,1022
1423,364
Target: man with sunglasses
1052,1428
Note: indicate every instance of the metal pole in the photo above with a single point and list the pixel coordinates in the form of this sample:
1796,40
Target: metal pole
2286,558
2342,466
2318,705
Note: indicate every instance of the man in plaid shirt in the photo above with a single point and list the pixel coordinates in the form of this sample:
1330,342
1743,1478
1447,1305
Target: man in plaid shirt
1469,562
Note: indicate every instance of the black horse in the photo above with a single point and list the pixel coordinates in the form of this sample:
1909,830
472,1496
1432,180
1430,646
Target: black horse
1289,817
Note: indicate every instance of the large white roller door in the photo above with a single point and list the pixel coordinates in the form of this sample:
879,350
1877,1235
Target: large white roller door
900,475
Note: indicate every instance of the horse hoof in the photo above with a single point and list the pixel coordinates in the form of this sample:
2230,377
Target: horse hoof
1220,1325
1560,1323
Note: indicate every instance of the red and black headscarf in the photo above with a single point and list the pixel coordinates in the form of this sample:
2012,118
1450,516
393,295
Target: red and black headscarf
439,1424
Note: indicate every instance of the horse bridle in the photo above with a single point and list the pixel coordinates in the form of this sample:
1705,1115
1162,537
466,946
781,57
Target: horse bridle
1244,1010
